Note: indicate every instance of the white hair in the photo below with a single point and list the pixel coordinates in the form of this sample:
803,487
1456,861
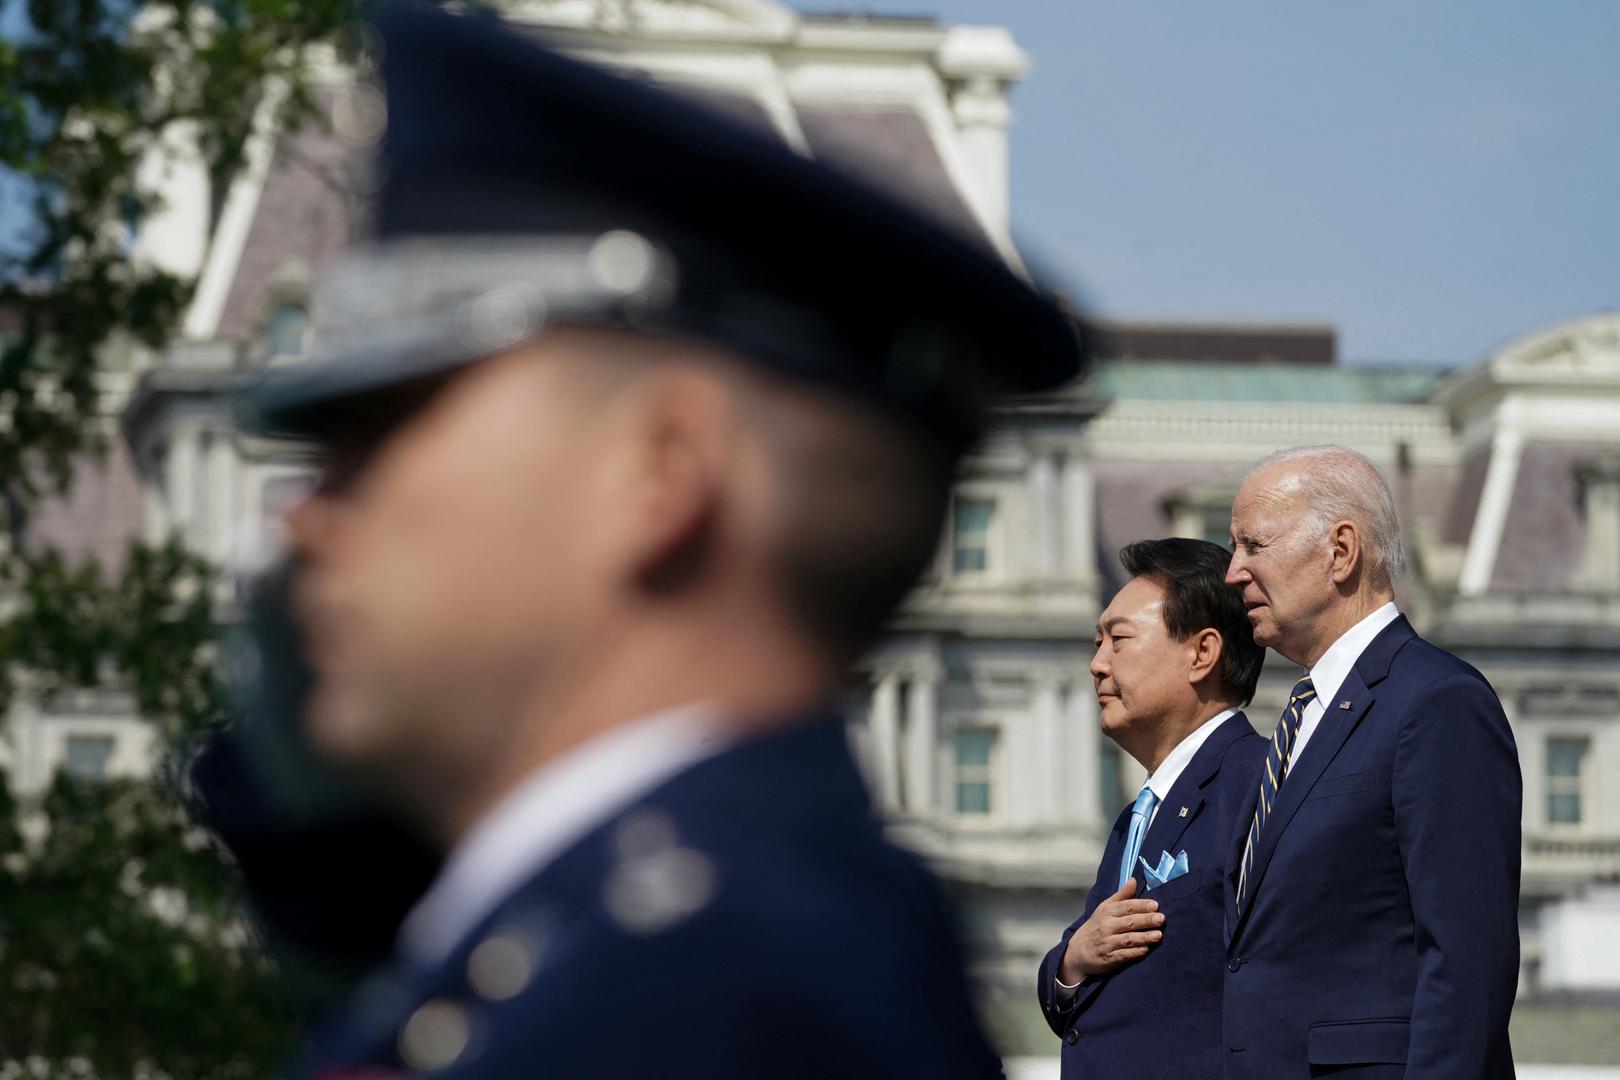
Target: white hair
1337,484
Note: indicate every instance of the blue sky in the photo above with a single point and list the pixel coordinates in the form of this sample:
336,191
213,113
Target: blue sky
1431,176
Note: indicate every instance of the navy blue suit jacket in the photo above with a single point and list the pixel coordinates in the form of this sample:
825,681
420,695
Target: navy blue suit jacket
1380,936
1161,1016
748,918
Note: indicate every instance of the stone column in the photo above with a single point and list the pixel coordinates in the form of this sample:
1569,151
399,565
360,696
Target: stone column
1485,539
884,721
982,115
23,729
978,63
175,236
1080,530
1020,774
922,741
1083,765
1050,779
1044,512
180,477
222,499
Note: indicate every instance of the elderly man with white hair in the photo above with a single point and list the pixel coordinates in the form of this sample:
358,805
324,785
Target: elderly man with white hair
1372,907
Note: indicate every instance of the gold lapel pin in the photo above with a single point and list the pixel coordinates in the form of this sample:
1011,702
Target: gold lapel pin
1345,704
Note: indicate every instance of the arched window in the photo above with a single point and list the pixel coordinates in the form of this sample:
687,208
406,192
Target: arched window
284,332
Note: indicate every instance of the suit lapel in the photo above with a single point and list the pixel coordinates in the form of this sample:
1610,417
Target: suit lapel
1108,872
1186,797
1234,855
1331,732
1175,815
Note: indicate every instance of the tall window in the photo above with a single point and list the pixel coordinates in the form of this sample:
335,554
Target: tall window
972,748
1566,774
970,535
87,756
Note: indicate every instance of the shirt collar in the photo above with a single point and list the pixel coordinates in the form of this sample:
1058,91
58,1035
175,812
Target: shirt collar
1176,761
546,814
1329,672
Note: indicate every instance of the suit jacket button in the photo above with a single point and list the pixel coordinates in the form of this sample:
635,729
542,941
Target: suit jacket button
1072,1037
1234,963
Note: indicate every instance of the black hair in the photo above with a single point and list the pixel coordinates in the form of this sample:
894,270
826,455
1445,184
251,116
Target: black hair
1193,573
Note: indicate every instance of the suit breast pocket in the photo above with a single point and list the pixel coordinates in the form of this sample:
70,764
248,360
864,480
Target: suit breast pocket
1345,784
1188,884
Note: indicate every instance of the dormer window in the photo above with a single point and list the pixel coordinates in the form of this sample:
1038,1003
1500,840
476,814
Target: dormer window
971,522
285,332
1203,512
1598,482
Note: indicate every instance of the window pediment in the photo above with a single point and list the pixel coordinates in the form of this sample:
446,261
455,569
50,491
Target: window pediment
724,18
1575,351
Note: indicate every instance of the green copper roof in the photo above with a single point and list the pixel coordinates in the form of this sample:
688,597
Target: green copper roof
1160,380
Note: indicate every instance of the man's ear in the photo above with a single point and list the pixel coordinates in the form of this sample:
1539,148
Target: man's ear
685,427
1344,541
1207,648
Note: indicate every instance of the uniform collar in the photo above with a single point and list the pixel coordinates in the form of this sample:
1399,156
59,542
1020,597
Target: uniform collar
547,813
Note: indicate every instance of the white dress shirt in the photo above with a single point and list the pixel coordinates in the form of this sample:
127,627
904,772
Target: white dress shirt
546,813
1163,779
1176,761
1329,672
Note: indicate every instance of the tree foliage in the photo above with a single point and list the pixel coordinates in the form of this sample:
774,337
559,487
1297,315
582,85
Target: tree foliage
122,950
122,947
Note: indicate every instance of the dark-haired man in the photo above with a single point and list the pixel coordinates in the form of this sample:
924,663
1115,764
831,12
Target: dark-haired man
1134,987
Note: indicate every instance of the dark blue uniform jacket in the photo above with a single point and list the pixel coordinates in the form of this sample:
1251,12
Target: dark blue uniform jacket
746,919
1161,1016
1380,938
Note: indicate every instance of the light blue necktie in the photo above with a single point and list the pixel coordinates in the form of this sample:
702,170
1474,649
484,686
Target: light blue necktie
1140,812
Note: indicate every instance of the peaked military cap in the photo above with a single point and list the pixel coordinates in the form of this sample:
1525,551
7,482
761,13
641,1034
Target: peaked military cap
522,187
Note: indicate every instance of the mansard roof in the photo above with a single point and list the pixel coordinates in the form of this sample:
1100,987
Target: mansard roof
1492,464
873,96
1157,380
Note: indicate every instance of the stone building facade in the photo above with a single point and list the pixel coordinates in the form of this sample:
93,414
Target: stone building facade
977,715
976,718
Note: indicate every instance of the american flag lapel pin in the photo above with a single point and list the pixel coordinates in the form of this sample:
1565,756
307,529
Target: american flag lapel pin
1183,812
1345,704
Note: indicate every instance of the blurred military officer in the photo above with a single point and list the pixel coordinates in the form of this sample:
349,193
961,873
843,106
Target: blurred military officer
638,426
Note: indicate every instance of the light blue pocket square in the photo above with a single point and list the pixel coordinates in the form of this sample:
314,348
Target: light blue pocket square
1168,869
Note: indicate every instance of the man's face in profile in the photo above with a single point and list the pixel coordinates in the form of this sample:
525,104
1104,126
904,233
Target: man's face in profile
1139,670
1281,566
438,578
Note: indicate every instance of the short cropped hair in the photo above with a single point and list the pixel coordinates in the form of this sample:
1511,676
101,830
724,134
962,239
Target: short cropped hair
863,503
1193,574
859,495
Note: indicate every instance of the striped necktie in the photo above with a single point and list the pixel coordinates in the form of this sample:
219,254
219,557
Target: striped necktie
1140,812
1282,748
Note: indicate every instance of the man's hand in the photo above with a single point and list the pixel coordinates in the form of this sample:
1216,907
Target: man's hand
1120,931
